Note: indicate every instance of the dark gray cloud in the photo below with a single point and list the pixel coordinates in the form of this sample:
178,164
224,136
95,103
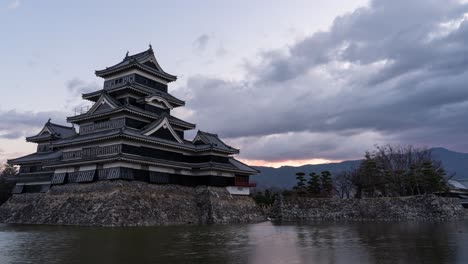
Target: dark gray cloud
15,124
201,42
392,72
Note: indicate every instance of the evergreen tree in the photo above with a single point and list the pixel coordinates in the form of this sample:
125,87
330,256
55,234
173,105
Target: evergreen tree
369,176
313,187
326,184
433,181
301,183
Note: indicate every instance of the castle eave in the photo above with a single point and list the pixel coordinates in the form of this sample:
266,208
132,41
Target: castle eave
117,69
145,91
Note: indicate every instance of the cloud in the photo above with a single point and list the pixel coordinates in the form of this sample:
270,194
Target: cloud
77,86
201,42
221,51
4,156
391,72
15,124
19,124
14,4
305,145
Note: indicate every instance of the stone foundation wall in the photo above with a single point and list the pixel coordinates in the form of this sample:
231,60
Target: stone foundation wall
121,203
425,207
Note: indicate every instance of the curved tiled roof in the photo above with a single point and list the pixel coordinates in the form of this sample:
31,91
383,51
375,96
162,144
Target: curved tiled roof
144,60
135,110
94,96
137,135
213,140
56,131
36,157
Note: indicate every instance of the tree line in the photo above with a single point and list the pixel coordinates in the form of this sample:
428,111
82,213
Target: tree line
387,171
318,185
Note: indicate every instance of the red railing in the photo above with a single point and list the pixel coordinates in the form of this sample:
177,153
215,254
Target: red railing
246,184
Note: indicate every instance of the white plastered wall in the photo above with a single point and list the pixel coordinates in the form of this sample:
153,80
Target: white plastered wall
236,190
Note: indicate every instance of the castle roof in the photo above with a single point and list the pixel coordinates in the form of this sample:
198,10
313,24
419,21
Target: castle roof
36,157
145,61
94,96
131,110
138,135
52,131
213,140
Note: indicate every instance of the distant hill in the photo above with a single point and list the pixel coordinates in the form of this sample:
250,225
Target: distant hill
454,162
284,177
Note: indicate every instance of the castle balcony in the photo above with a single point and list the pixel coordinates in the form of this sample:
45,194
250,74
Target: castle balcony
246,184
101,126
92,152
243,181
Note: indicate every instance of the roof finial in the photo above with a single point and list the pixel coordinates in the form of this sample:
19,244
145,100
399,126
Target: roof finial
150,47
50,119
126,55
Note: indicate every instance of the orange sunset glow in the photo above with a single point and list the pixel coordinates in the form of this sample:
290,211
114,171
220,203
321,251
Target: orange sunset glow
281,163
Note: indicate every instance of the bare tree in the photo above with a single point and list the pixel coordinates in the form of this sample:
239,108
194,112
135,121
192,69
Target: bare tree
398,171
344,183
8,170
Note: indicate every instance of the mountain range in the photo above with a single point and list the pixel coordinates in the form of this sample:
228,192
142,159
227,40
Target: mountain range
455,163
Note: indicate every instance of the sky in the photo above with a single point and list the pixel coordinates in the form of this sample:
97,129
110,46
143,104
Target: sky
288,82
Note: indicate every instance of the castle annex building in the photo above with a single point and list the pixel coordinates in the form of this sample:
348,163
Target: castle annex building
130,134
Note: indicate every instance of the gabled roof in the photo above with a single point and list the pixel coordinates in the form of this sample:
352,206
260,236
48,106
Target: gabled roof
213,140
162,123
145,61
104,99
178,122
52,131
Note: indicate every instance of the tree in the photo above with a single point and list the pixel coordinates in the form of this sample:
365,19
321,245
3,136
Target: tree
8,171
369,176
6,187
343,183
265,198
432,179
301,183
326,184
398,171
313,187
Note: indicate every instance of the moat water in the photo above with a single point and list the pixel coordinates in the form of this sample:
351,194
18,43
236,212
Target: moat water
355,242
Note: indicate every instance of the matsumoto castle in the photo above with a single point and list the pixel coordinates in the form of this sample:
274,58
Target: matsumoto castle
130,134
